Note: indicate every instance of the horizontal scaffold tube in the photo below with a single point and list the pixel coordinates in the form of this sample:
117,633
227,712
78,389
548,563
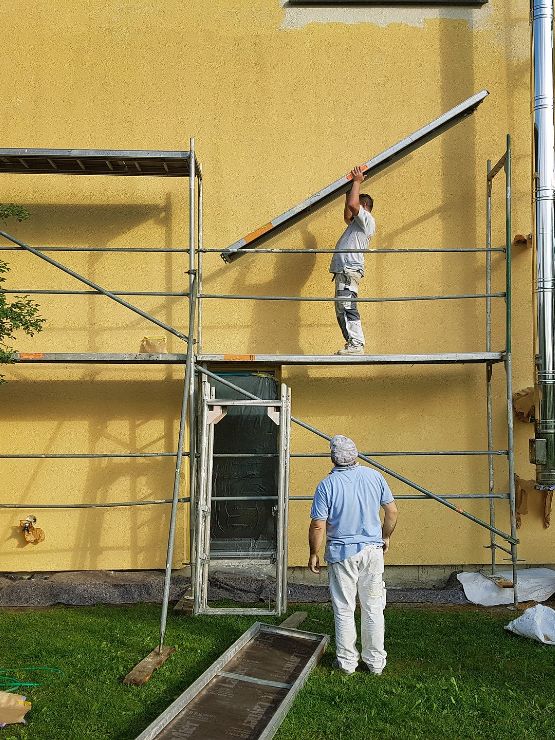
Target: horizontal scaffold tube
179,250
186,500
400,453
46,291
107,505
458,297
400,250
371,461
84,455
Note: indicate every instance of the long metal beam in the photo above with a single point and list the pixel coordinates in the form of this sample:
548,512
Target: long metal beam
371,167
246,713
188,384
420,3
96,286
113,163
85,358
446,358
177,250
99,358
187,500
335,299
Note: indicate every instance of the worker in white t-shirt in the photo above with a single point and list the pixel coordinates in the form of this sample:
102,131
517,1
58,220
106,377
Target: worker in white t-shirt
347,266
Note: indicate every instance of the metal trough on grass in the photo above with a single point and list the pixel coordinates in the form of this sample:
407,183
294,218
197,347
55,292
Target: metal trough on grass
247,692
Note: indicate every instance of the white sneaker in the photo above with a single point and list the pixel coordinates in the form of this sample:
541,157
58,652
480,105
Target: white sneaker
352,349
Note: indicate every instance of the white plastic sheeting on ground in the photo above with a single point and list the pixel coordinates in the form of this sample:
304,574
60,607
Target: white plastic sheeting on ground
538,623
533,584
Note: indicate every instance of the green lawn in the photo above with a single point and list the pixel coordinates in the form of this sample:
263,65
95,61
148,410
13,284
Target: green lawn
451,674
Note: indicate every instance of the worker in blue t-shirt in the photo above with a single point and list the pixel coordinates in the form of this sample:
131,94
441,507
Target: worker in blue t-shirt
346,508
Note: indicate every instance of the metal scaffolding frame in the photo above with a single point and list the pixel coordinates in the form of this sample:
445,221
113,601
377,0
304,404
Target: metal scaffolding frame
195,364
488,358
132,164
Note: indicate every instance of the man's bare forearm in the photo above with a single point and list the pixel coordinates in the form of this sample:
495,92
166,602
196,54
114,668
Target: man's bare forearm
353,199
389,523
316,535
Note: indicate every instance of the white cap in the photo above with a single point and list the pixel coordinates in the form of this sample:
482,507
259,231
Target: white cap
343,450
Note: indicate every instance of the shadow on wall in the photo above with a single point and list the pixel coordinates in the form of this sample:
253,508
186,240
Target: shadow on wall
275,325
105,416
86,225
102,225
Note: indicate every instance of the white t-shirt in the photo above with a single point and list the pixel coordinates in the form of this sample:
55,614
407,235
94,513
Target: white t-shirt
357,235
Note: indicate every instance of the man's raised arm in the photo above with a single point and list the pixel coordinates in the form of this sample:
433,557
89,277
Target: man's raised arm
352,202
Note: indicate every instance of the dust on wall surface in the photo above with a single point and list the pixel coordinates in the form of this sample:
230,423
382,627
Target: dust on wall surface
280,105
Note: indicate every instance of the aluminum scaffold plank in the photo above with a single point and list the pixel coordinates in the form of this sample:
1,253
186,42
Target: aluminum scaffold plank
371,167
447,358
267,665
84,358
99,358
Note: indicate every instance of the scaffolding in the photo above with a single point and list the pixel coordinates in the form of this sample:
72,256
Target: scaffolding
195,363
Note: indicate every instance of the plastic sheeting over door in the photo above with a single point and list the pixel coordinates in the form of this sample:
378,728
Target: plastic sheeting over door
243,526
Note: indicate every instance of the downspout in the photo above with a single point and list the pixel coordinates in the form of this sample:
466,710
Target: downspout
542,448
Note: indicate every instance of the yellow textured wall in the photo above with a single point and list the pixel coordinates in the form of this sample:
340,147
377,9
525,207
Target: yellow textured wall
281,102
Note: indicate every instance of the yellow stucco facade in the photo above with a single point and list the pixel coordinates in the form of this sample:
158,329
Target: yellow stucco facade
281,101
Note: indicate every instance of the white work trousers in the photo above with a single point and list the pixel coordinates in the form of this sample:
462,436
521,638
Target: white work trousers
346,311
362,572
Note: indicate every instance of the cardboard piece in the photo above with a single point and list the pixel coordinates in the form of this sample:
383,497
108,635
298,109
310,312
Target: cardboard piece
153,346
547,503
522,489
13,708
524,404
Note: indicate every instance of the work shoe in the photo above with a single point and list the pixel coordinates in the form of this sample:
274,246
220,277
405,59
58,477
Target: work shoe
369,669
352,349
335,665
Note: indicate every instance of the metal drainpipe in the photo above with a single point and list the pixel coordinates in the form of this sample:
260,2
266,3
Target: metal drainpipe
542,448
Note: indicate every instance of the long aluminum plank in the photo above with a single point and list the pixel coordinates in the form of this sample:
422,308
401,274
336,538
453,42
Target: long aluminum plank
127,163
371,167
448,358
248,690
425,3
101,358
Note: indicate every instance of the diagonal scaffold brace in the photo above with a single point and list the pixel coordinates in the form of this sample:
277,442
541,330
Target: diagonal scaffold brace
374,463
98,288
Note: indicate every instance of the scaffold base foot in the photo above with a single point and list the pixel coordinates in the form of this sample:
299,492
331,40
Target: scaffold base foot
142,672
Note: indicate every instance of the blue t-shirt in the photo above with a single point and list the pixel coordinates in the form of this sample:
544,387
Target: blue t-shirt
349,499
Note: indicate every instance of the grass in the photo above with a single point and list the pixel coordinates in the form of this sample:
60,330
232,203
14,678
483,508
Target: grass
451,674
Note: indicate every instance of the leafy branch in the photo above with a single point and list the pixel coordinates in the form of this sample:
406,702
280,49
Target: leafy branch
20,314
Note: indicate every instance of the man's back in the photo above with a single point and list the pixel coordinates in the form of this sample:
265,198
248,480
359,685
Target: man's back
349,499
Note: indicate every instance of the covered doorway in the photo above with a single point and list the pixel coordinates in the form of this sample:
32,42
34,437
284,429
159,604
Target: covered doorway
242,483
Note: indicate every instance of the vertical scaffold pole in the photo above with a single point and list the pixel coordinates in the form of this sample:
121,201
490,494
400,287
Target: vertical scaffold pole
489,369
199,262
186,392
508,365
193,405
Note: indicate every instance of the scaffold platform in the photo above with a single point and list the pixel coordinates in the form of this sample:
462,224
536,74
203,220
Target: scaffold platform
446,358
